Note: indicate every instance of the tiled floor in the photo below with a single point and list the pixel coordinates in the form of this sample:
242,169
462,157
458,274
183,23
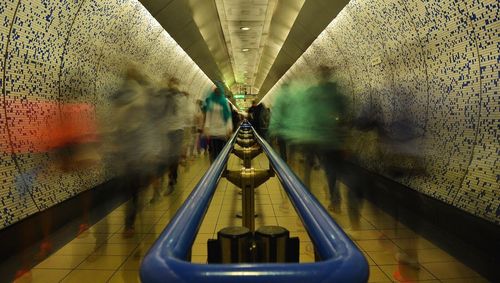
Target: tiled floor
103,255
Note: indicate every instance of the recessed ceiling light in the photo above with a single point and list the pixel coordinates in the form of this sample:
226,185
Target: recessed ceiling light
245,49
244,28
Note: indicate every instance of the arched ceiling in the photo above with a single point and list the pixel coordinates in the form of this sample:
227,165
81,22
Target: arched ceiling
245,42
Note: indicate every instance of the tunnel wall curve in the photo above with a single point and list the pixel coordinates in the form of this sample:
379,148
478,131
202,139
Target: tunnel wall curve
436,63
69,51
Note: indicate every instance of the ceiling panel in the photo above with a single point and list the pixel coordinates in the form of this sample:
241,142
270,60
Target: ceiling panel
312,19
245,24
255,14
155,6
210,32
176,17
282,21
206,17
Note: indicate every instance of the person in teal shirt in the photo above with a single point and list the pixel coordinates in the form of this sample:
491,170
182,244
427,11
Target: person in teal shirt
314,119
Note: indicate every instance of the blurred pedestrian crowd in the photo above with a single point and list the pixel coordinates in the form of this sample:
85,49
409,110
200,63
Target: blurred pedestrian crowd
314,127
153,128
148,131
316,121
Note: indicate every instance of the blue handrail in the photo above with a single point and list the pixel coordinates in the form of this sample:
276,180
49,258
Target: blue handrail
166,260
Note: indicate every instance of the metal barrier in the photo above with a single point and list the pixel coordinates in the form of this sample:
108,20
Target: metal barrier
166,261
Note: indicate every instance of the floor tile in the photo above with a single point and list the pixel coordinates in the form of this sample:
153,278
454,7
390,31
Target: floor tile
141,228
447,270
306,258
199,259
91,239
94,276
383,257
465,280
119,238
61,262
384,224
369,259
406,273
203,238
199,249
102,262
43,276
268,221
124,255
433,255
150,238
365,234
158,228
377,275
106,228
133,262
116,249
377,245
399,233
77,249
414,243
307,248
125,276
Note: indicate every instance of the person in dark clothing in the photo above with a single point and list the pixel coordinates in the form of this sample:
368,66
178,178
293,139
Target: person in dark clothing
235,116
327,131
258,116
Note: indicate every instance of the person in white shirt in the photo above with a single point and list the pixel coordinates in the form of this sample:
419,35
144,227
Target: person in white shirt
174,125
218,125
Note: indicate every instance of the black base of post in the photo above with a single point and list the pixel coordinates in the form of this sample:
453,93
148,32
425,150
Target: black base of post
275,245
267,244
232,246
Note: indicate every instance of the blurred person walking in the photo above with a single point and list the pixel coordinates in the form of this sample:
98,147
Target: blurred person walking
278,118
161,108
189,129
327,129
174,127
235,117
218,124
258,116
198,124
314,120
134,146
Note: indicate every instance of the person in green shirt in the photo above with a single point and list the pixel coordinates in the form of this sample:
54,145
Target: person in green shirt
314,119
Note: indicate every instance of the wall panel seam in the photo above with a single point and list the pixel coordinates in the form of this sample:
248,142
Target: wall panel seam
476,134
426,66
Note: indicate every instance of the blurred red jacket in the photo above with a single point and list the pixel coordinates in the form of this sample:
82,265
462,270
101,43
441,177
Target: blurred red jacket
41,126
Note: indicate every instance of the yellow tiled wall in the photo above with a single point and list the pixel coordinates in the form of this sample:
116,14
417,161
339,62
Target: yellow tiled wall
71,51
435,63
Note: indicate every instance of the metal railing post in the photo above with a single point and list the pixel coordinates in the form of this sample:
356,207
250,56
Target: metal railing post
248,178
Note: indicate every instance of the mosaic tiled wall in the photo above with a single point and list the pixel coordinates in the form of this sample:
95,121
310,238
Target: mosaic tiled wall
70,51
436,63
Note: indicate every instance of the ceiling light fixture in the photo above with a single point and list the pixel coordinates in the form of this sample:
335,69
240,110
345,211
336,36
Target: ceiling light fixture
245,49
244,28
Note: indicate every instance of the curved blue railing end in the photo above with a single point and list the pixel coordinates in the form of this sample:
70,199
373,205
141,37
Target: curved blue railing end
166,260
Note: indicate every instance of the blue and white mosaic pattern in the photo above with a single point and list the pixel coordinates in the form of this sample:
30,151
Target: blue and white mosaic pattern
436,63
72,51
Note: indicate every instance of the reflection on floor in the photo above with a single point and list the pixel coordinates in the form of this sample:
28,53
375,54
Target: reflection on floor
395,253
